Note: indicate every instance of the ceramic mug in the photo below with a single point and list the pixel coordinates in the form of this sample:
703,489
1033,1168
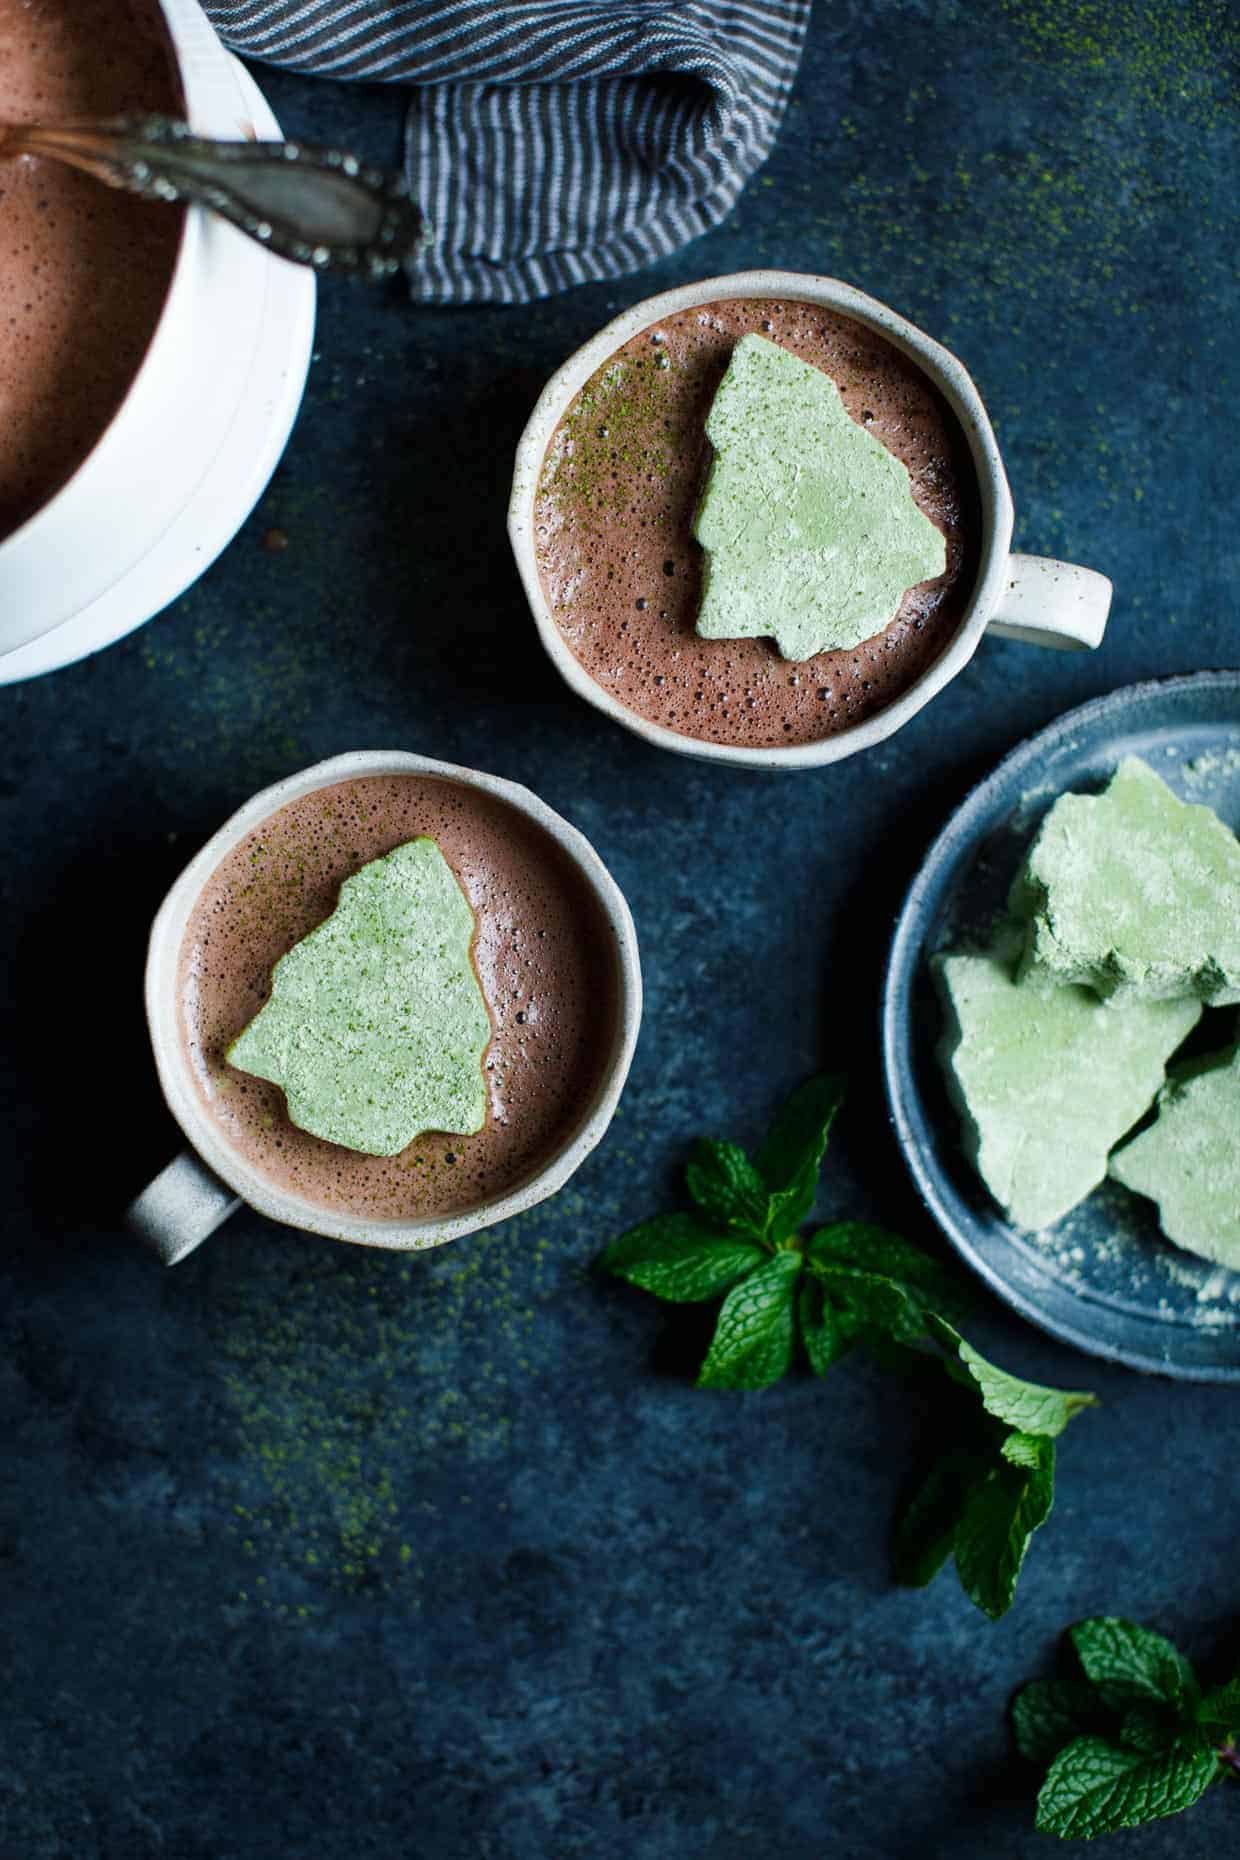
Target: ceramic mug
197,1192
1024,597
191,447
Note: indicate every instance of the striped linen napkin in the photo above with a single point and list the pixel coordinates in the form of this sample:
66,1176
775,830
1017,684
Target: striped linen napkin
553,141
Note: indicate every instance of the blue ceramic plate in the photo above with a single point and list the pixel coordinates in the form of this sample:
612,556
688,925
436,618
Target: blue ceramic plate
1103,1278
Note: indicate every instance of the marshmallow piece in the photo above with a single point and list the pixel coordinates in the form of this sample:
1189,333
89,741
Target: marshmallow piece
1135,893
1188,1161
377,1023
1048,1078
808,521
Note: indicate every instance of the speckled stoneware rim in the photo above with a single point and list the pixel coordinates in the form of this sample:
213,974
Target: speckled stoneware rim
176,1079
947,374
1140,1338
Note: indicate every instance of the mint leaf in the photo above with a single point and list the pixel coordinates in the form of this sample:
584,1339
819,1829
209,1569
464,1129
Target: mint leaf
1049,1713
727,1187
1150,1727
1012,1494
677,1258
925,1280
884,1285
1094,1787
851,1258
1159,1757
752,1344
926,1528
1127,1664
826,1332
865,1302
1000,1515
1221,1706
1024,1405
791,1157
1023,1449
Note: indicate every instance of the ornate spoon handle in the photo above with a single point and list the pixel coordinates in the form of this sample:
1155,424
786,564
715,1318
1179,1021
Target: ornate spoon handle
317,206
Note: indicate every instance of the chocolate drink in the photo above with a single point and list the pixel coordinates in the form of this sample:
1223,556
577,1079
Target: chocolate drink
622,573
84,270
545,956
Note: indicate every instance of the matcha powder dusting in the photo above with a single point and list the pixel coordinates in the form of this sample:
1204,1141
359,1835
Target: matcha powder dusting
363,1394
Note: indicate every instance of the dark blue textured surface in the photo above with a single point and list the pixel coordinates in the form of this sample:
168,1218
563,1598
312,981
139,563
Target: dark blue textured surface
313,1552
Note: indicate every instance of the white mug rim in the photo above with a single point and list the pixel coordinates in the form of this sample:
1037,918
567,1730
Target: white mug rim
175,1075
946,373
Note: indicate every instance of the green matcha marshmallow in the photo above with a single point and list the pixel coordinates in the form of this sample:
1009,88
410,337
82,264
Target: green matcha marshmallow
808,522
1134,892
376,1024
1189,1160
1047,1077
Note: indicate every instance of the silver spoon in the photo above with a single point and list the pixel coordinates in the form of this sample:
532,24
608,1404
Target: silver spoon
316,206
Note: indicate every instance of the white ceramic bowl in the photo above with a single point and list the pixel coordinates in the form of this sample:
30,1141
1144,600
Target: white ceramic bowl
1020,596
201,1188
189,451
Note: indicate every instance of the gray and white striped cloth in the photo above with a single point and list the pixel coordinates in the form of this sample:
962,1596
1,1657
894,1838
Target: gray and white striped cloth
553,141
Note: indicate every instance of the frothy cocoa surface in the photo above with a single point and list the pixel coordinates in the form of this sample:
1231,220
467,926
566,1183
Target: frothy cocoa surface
84,270
622,573
544,952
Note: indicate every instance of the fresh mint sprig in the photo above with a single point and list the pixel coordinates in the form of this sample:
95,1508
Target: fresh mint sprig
847,1285
1126,1731
984,1499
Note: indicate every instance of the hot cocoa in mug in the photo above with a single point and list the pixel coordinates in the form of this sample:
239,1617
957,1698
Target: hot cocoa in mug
554,952
610,471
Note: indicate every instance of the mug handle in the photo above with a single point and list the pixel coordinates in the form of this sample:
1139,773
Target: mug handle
1049,603
183,1205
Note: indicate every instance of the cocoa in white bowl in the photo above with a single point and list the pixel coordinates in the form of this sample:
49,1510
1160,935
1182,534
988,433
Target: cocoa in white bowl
186,454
